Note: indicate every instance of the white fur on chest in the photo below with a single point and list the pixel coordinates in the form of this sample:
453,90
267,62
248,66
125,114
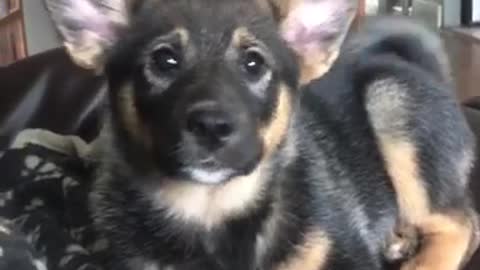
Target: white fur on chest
209,205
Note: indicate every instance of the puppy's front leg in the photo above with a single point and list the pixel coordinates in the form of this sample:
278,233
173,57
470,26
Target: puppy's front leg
448,237
449,241
430,179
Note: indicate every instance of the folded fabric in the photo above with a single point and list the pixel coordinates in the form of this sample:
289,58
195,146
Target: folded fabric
44,220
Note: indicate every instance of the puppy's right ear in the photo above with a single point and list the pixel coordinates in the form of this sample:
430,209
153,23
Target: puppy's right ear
315,30
88,27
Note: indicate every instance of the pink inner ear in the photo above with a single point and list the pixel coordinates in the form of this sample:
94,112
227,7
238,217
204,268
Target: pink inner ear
310,22
90,18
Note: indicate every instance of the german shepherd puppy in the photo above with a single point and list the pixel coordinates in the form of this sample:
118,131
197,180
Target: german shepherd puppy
224,149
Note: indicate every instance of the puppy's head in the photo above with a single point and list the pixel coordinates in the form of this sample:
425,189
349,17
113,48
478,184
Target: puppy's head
203,89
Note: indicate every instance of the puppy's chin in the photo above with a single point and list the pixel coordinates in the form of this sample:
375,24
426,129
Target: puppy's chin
213,175
210,176
212,169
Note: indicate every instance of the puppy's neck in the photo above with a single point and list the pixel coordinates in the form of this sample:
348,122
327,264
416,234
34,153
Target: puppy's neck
211,205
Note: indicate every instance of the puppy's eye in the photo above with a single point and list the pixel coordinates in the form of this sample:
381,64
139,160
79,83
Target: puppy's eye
166,60
254,63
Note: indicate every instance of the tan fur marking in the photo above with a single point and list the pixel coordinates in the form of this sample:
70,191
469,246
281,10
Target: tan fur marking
473,218
446,242
211,205
242,37
311,255
401,161
275,132
130,117
316,65
180,32
89,55
447,238
184,35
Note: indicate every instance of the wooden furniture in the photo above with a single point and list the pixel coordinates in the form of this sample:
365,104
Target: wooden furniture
12,32
362,5
464,54
361,12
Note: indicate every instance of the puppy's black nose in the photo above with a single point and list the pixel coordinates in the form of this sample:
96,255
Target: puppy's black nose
210,126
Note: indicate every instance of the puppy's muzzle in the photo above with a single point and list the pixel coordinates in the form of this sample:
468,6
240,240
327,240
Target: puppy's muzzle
211,126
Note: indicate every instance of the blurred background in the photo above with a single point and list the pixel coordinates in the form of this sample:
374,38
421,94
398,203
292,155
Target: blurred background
25,28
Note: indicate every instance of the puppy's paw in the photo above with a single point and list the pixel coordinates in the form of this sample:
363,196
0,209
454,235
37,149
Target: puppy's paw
403,244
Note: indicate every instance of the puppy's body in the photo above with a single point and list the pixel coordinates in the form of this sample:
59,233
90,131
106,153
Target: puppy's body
211,166
327,187
317,197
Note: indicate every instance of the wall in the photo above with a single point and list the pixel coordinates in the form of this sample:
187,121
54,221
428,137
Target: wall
39,29
371,7
451,12
428,11
434,12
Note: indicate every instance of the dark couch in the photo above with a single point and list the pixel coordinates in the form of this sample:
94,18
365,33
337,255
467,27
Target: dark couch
47,91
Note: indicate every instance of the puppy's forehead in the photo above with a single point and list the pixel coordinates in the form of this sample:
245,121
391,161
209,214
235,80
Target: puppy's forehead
206,17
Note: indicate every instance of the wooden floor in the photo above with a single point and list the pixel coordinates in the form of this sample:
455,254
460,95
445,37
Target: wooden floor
464,53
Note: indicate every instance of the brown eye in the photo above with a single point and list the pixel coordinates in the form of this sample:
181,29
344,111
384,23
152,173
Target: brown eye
166,60
254,64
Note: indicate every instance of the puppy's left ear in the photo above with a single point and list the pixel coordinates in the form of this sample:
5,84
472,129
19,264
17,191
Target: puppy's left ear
88,27
315,30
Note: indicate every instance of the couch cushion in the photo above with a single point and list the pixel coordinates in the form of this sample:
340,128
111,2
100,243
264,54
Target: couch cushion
48,91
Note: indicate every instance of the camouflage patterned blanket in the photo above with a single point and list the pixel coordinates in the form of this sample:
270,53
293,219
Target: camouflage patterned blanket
44,220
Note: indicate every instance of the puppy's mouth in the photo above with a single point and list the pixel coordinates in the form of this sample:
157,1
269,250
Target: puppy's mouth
211,171
205,166
209,176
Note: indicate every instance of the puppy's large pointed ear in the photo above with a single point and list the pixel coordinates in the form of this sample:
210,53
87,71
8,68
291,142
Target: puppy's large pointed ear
88,27
315,30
